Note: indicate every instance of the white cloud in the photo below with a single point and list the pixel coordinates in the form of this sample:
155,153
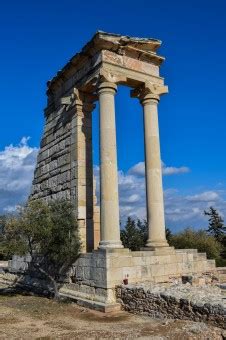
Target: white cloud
170,170
180,210
17,164
139,169
206,196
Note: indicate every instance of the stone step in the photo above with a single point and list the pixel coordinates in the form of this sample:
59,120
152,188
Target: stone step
221,270
188,251
99,306
222,278
211,264
221,273
200,256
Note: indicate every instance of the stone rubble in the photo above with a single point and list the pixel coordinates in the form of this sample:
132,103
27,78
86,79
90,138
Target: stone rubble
176,300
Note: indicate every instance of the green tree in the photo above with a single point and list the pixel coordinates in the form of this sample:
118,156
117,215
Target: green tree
48,232
2,223
3,253
192,239
216,226
135,234
143,232
130,236
169,234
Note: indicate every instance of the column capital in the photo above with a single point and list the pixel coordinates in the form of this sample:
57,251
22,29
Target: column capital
107,87
149,92
80,100
83,101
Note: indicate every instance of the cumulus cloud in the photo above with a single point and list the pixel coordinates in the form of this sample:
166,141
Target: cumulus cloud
181,210
139,169
171,170
207,196
17,164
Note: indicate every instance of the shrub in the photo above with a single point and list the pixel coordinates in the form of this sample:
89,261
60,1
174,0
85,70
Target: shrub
192,239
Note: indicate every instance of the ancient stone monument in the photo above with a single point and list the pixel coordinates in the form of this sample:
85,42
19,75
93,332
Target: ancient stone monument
65,170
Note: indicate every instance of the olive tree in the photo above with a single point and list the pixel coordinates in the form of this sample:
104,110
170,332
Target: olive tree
48,233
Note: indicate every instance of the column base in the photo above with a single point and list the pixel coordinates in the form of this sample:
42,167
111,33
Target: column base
110,245
154,245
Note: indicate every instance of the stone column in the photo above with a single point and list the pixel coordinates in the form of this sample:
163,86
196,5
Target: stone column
149,98
109,203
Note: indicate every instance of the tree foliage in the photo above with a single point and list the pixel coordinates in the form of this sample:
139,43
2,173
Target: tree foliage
135,234
48,232
216,226
192,239
3,253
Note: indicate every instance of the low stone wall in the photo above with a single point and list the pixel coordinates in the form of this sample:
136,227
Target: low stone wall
19,264
176,302
21,282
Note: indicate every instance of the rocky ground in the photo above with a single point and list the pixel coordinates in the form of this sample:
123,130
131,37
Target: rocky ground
205,303
32,317
197,294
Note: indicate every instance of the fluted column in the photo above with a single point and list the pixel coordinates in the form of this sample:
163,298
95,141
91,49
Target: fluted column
109,202
149,98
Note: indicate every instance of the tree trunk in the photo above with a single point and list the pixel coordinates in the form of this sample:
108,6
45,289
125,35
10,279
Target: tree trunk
53,281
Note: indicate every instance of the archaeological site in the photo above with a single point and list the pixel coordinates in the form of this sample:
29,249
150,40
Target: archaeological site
65,170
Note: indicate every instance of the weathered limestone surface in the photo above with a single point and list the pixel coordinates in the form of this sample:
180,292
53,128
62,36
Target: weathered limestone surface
176,301
149,96
94,276
110,233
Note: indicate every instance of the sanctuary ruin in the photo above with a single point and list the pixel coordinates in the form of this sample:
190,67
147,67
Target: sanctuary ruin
65,168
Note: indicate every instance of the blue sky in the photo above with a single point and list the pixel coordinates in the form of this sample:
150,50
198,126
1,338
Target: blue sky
38,37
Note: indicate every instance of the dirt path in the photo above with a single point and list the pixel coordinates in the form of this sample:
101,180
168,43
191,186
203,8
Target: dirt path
31,317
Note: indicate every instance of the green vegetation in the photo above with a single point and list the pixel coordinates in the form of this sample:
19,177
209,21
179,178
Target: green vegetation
192,239
48,232
216,226
135,234
3,253
212,241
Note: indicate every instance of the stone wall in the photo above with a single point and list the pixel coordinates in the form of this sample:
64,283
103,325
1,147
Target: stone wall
19,264
94,276
64,165
177,303
53,171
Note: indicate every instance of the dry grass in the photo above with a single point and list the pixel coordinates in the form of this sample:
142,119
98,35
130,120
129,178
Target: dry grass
32,317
